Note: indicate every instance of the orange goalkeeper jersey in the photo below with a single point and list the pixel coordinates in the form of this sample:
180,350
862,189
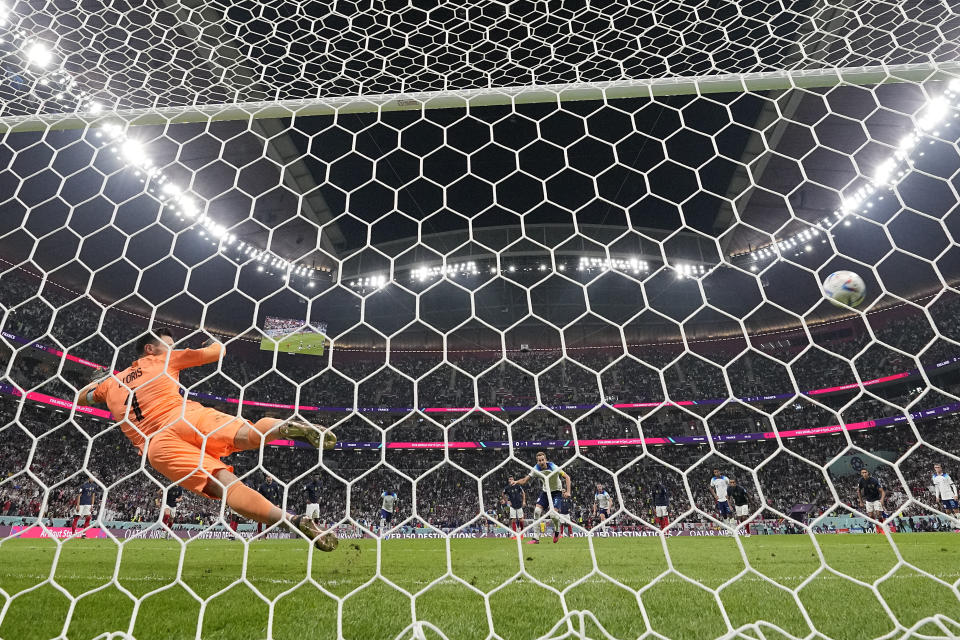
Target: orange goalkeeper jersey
145,397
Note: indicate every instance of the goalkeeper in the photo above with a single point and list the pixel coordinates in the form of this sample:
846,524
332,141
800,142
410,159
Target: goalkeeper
185,440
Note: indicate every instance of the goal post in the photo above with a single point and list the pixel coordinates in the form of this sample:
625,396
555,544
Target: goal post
598,91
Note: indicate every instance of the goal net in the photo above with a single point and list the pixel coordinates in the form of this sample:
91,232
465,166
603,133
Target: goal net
551,272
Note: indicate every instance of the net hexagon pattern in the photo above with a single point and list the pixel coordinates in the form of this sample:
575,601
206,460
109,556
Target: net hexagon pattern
629,280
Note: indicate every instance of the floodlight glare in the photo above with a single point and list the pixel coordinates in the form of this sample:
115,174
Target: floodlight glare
134,153
38,54
936,111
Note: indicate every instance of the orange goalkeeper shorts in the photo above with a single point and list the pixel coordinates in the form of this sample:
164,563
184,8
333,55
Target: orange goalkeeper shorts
182,454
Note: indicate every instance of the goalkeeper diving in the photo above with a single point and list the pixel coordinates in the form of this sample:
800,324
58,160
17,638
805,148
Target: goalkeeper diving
185,441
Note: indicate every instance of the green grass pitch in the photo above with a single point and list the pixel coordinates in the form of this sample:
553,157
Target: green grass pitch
278,573
310,344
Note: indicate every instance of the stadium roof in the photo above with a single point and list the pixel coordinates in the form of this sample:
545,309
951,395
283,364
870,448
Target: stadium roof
673,181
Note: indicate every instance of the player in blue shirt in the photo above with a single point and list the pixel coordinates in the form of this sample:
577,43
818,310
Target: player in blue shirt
312,489
272,492
174,497
661,505
551,476
516,497
84,503
741,504
565,523
871,495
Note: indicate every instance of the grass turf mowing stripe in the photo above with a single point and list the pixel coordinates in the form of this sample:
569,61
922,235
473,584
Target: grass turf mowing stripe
529,586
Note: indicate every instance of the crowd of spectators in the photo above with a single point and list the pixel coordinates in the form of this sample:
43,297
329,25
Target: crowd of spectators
46,453
43,463
77,325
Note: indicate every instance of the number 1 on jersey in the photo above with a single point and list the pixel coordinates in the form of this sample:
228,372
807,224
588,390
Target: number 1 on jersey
135,406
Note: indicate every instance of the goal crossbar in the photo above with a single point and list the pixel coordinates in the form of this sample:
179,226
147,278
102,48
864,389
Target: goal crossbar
612,90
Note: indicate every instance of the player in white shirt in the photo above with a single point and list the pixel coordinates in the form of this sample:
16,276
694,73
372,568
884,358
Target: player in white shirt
945,490
718,489
602,504
388,506
550,476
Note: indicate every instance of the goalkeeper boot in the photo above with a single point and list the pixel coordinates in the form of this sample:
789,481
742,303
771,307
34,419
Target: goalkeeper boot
322,540
315,435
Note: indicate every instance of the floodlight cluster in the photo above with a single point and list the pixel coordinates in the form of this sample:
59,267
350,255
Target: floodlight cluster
186,207
463,268
370,282
44,79
584,264
40,70
689,270
265,258
424,273
632,265
37,54
936,116
798,243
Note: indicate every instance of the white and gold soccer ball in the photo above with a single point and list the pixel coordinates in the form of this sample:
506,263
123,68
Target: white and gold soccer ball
844,288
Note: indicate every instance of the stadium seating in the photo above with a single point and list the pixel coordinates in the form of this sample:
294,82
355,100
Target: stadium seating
445,495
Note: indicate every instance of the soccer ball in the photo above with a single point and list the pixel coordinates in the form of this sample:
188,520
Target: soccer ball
844,288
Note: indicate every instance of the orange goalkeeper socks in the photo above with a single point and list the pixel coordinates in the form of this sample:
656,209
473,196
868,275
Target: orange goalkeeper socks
250,504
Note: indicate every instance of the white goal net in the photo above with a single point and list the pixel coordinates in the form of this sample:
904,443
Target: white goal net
462,236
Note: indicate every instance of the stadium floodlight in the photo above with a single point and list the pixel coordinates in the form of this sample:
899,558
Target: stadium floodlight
851,203
134,153
111,130
188,206
38,54
935,112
